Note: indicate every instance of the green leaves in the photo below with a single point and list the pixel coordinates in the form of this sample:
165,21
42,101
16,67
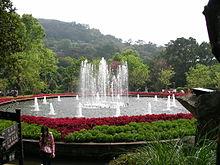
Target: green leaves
203,76
183,53
33,69
165,76
137,70
133,132
10,40
175,153
29,131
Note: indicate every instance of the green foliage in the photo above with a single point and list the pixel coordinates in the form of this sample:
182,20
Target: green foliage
5,124
165,76
203,76
29,131
11,39
3,84
215,69
183,53
137,70
35,68
69,74
175,153
157,65
133,132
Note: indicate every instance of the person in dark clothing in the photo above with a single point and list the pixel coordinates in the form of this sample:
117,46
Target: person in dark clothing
47,146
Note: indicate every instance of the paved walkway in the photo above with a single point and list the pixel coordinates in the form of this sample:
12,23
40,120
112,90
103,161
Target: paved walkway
36,161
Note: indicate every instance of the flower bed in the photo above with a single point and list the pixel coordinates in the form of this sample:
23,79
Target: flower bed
155,93
69,125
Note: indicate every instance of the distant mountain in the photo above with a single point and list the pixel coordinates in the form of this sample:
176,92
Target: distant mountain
76,40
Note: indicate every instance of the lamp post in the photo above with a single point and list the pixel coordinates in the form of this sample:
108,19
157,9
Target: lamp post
212,15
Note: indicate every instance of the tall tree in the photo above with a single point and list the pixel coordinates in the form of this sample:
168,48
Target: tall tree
10,38
182,54
31,69
158,78
70,74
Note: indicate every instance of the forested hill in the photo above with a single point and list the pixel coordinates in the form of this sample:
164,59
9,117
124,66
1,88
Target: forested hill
76,40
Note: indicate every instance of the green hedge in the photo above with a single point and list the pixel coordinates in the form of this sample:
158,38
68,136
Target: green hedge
29,131
133,132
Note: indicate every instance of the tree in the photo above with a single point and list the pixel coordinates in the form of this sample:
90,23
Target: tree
157,65
70,74
205,55
182,54
165,76
137,70
35,67
216,75
11,39
199,76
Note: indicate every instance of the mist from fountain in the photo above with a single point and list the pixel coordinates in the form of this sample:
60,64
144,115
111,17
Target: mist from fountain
173,101
52,111
77,97
45,100
155,98
36,105
168,104
58,98
103,87
79,110
149,109
118,111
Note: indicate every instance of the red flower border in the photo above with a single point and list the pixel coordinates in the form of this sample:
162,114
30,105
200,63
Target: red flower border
69,125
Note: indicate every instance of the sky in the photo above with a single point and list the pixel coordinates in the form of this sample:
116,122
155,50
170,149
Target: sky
156,21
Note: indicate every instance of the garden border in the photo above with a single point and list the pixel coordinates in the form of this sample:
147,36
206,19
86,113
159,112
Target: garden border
88,150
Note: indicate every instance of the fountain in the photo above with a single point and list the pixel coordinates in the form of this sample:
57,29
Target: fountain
155,98
77,97
45,100
36,106
103,87
118,112
52,112
149,108
174,101
103,93
69,107
168,104
79,112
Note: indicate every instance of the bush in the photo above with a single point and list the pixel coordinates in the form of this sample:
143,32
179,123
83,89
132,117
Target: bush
133,132
169,153
29,131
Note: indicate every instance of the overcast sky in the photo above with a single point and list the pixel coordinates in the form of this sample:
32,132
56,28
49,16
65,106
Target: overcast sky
157,21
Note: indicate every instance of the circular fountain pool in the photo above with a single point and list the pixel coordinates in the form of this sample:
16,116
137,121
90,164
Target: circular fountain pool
69,107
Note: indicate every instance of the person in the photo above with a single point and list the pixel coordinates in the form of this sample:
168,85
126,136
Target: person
47,146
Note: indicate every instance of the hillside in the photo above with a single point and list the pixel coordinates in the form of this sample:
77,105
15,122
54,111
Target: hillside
76,40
